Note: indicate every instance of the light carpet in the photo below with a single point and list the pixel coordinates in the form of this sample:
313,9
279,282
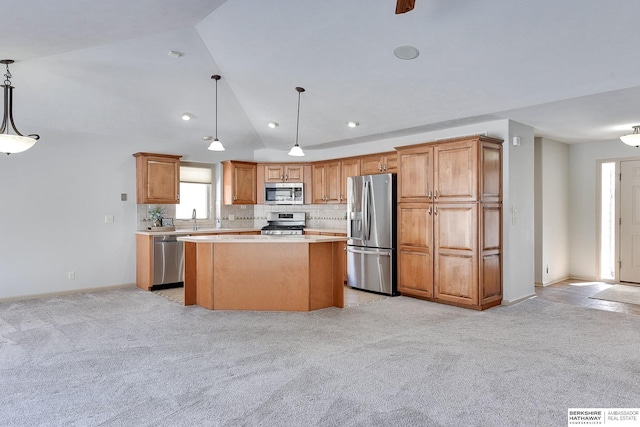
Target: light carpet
620,293
126,357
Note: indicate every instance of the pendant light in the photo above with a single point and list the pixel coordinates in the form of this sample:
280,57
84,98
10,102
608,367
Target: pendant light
632,139
216,145
296,150
12,143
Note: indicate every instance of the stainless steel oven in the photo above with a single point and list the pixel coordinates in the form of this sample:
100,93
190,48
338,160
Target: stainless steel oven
284,223
283,193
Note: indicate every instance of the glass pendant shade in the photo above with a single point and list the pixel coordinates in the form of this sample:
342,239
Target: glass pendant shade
15,143
216,145
296,151
632,139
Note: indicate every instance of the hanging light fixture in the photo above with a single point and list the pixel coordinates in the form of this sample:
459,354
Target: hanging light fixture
216,145
12,143
632,139
296,150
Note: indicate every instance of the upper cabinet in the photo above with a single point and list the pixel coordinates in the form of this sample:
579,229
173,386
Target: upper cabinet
283,173
326,182
379,163
239,182
458,171
349,167
157,178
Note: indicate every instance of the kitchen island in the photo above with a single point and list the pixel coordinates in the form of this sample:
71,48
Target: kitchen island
259,272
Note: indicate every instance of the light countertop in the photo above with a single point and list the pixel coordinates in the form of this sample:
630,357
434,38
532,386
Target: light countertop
209,231
246,238
189,231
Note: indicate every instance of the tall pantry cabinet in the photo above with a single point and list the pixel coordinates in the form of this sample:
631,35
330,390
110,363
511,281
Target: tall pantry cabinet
450,221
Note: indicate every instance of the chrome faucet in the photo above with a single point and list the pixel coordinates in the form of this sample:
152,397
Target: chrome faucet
195,220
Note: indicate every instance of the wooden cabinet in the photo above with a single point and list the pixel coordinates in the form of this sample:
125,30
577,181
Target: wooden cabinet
458,171
157,178
348,167
379,163
239,182
327,182
283,173
449,221
343,259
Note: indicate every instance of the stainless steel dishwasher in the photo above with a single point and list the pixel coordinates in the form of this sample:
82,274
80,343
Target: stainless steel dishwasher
168,261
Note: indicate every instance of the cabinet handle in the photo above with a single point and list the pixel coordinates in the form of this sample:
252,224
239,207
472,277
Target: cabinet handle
286,178
235,197
429,210
435,194
435,210
380,167
429,194
385,167
281,178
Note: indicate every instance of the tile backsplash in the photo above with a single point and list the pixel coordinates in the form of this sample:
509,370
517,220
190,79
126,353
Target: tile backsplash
254,216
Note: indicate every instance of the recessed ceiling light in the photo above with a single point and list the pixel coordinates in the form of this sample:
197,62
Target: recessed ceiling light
273,125
353,124
406,52
186,116
175,54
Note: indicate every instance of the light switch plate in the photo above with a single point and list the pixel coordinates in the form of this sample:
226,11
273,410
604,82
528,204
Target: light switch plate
108,219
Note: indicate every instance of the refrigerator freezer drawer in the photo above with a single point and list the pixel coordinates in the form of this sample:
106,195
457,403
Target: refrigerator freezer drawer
371,269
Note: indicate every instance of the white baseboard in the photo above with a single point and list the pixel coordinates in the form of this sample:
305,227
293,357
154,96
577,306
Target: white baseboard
69,292
516,301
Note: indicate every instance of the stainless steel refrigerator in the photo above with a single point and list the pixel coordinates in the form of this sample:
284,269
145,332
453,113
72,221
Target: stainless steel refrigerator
371,233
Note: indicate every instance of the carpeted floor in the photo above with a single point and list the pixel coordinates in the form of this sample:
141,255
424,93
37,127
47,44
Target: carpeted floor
620,293
133,358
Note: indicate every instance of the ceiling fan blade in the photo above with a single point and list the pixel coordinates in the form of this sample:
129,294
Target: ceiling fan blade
403,6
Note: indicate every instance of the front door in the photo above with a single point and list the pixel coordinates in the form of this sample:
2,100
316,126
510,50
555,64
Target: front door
630,221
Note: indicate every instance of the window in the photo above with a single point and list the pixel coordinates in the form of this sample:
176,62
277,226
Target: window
607,221
195,192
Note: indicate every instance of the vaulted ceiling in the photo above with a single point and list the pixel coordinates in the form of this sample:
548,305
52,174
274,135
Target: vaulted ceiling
567,68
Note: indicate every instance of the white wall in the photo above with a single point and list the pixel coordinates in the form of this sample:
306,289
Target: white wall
518,214
55,197
583,204
552,206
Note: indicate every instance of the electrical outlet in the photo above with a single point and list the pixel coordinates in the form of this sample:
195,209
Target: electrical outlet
71,275
232,217
243,206
108,219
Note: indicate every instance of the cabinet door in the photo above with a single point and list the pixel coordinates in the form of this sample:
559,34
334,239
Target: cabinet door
245,184
415,171
273,173
318,173
158,179
239,183
350,167
456,171
415,254
390,163
294,173
371,164
491,176
333,183
456,253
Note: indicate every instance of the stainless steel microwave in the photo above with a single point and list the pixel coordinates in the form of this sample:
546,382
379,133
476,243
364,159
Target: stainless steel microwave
283,193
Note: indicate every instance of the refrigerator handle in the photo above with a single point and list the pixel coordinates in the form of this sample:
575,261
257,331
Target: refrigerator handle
366,211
